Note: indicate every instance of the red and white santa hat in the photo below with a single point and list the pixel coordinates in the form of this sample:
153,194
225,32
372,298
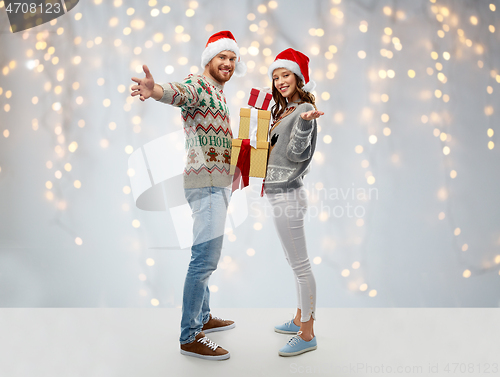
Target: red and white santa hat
222,41
296,62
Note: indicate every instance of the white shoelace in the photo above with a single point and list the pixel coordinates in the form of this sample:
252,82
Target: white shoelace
295,339
208,343
288,323
217,318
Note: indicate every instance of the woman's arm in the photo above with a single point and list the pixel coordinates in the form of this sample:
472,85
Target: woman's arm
299,147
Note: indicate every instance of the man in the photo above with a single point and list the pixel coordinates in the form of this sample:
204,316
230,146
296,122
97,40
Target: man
206,180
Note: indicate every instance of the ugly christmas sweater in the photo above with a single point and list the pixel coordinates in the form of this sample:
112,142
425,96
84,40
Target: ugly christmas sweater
293,141
206,128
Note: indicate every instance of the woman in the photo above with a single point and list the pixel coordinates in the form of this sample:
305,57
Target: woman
293,140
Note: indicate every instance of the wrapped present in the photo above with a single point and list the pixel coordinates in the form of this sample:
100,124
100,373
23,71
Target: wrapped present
254,124
260,98
256,158
249,151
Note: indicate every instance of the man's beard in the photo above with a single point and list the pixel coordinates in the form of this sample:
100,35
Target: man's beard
214,72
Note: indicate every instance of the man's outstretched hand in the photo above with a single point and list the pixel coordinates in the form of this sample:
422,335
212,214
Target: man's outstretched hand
145,87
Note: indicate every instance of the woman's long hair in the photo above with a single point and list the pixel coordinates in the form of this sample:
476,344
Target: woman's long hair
280,102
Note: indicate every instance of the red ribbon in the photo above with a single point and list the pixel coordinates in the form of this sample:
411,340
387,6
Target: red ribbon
242,166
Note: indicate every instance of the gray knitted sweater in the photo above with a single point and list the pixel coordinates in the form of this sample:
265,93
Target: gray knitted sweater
292,145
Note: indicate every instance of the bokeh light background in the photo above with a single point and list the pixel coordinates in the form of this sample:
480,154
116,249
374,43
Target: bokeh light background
410,95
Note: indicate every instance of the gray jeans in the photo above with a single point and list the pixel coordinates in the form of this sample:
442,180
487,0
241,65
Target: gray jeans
288,213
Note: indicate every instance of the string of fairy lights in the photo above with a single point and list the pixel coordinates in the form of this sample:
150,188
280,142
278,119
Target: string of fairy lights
325,70
42,59
390,46
62,95
445,18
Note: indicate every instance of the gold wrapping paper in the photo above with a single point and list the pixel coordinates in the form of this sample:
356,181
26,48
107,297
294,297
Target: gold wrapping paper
258,158
262,127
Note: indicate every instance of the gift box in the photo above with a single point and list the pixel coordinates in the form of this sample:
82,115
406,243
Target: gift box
248,117
260,98
258,158
249,151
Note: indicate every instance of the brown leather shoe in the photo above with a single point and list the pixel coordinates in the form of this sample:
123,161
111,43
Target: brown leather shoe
204,348
217,324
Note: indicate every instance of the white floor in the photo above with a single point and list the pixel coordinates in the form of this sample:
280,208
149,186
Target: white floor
351,342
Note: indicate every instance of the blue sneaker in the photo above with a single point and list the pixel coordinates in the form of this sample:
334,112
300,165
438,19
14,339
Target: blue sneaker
287,328
296,345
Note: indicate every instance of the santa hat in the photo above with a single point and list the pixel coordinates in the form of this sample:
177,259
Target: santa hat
296,62
222,41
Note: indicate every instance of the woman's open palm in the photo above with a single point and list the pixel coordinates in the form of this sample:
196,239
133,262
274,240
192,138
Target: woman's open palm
313,114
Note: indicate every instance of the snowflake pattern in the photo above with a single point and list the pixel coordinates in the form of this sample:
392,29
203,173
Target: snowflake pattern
278,173
299,144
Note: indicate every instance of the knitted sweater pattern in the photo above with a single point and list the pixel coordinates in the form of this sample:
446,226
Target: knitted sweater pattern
293,141
207,130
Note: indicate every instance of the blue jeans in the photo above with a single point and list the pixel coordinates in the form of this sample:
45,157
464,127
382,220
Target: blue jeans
209,207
